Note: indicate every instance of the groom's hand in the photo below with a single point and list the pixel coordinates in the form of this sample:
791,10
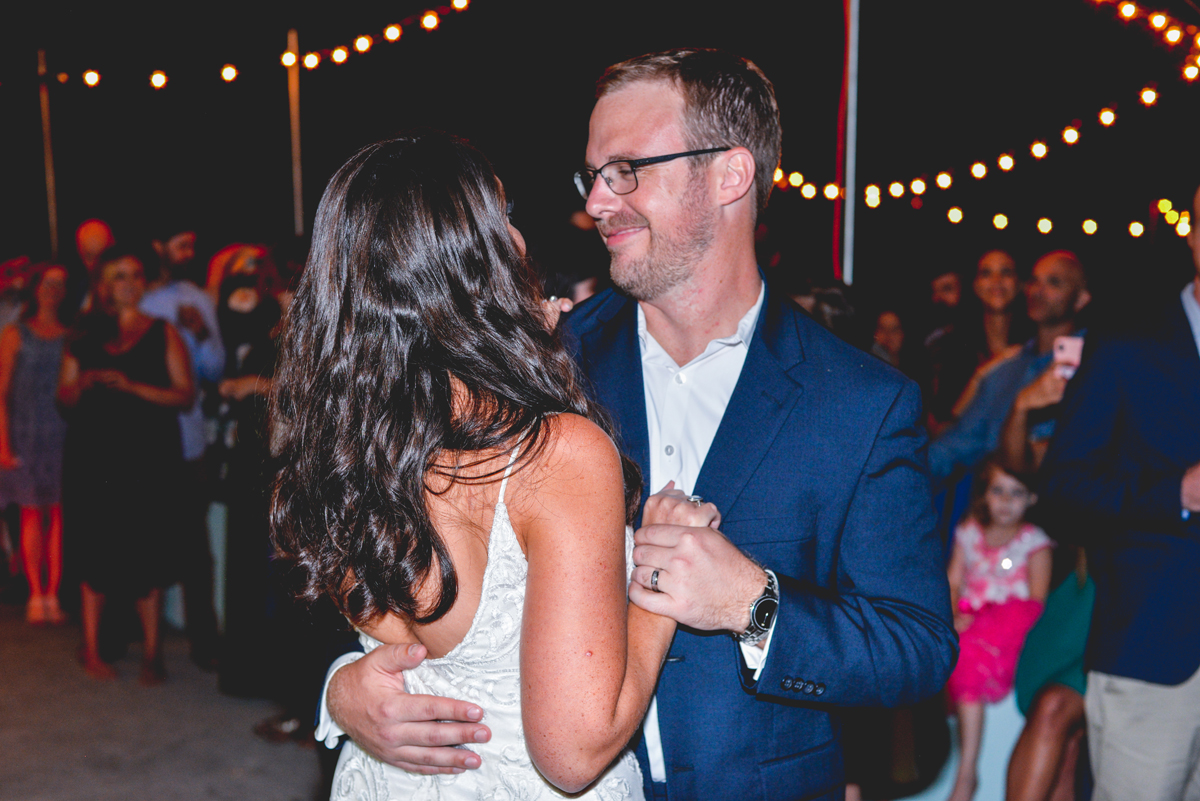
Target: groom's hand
704,581
416,733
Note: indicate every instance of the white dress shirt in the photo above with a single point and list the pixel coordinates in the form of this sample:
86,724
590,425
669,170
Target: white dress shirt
684,407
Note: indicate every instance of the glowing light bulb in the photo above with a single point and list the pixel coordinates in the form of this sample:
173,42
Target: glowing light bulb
63,77
895,189
795,179
392,32
1157,21
339,55
1183,228
429,20
1191,71
158,79
778,175
831,191
363,43
460,5
1165,205
1173,35
1136,229
1038,149
944,180
228,73
1107,117
954,215
873,201
288,59
1089,227
1044,225
1005,162
311,60
872,189
1171,217
1000,221
809,191
1128,10
978,169
917,187
1070,135
1149,96
91,77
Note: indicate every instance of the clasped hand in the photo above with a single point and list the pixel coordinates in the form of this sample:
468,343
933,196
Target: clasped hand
703,581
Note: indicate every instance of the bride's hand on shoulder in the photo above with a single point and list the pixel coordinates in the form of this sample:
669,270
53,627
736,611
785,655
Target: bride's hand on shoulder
672,506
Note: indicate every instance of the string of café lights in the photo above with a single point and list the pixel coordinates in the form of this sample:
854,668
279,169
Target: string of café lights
1172,32
428,21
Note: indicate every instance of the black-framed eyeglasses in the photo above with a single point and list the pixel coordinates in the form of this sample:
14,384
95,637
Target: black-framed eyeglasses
621,175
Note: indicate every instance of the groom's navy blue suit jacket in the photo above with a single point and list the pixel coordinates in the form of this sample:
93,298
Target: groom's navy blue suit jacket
819,470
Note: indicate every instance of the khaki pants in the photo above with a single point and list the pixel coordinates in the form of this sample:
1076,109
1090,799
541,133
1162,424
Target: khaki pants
1143,738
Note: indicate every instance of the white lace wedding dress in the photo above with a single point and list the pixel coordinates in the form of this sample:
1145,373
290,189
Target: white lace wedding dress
484,669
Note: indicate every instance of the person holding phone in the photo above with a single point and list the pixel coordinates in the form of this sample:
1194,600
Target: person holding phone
1055,295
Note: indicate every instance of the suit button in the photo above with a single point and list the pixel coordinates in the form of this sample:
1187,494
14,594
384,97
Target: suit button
798,687
809,687
820,689
786,683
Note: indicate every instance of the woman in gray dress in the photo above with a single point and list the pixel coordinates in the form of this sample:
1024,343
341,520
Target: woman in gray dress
31,438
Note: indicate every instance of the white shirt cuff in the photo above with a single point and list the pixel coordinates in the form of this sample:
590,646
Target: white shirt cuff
329,732
754,656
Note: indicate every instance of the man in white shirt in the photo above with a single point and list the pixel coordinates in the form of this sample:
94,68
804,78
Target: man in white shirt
827,571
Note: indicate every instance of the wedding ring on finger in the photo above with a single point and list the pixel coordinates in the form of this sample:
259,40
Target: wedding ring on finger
696,499
654,582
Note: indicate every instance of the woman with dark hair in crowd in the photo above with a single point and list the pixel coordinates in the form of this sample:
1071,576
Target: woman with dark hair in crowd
989,321
124,380
447,481
31,437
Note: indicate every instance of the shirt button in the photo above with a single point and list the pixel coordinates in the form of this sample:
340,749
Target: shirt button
680,378
670,449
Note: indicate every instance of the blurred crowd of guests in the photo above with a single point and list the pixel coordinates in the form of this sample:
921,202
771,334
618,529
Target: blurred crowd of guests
133,385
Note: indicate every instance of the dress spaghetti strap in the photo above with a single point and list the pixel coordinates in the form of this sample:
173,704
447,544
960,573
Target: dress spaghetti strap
508,471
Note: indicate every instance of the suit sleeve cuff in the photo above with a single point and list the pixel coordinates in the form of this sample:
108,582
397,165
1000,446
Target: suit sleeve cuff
754,657
328,731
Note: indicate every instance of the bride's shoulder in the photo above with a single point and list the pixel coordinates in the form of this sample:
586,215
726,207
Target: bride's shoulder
574,460
573,436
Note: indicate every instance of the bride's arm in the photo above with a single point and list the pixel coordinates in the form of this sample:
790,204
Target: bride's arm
589,660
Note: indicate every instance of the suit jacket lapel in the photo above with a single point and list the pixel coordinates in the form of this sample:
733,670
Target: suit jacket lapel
612,357
762,400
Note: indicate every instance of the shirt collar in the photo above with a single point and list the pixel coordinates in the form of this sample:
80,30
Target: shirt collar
743,334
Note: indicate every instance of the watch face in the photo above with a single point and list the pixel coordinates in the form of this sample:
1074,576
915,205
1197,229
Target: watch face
764,612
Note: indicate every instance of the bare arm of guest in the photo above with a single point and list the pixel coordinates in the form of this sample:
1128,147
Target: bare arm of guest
1016,452
1040,564
179,395
954,574
10,343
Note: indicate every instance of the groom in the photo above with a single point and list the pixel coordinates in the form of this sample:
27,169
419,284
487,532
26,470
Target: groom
825,587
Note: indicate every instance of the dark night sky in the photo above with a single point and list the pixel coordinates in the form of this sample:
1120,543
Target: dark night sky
942,84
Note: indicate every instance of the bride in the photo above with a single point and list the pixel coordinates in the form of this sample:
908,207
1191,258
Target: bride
446,480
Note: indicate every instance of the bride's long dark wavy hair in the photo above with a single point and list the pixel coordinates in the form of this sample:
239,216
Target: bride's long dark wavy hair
413,278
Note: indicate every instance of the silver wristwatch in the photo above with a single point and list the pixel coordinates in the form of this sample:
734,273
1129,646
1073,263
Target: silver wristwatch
762,613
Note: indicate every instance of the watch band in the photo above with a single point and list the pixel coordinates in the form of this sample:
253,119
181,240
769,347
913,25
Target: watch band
762,613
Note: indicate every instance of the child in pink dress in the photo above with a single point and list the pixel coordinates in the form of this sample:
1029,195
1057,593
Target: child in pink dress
999,577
